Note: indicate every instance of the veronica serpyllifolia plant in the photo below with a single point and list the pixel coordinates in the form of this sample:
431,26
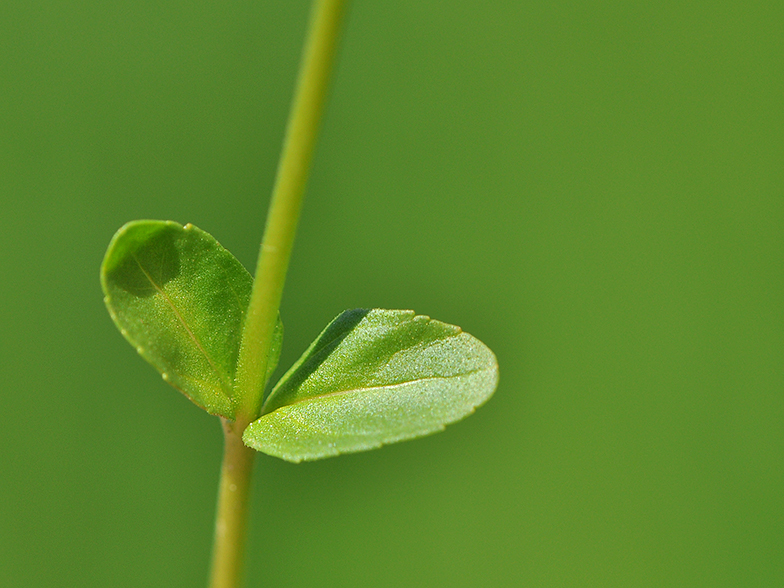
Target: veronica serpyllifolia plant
193,311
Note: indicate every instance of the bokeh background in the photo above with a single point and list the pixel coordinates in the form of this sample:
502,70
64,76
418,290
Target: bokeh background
594,189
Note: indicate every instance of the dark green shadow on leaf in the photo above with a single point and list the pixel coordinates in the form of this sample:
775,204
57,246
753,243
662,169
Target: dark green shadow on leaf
146,256
318,351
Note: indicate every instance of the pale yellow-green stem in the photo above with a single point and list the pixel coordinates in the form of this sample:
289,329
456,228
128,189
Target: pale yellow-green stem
309,100
231,518
283,215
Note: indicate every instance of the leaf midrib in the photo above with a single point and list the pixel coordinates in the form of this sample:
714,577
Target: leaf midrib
372,388
182,321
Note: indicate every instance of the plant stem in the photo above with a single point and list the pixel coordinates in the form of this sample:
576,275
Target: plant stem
310,96
232,517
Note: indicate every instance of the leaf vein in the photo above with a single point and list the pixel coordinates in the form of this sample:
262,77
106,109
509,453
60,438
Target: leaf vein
372,388
182,321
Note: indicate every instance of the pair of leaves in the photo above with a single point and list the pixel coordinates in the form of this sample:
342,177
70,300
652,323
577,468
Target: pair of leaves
372,377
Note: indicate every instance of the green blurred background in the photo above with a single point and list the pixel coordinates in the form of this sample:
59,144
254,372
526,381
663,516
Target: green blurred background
594,189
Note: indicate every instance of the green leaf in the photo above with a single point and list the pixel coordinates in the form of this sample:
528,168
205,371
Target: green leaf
373,377
180,299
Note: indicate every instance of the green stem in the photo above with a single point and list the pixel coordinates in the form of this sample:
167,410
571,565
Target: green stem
310,97
308,106
232,517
